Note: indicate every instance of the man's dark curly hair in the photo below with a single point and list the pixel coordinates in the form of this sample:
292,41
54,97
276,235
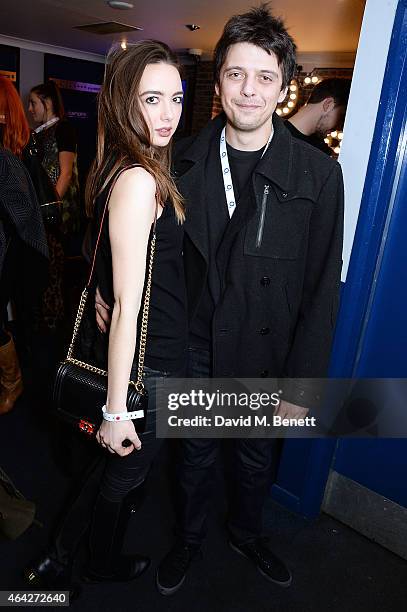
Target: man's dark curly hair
259,28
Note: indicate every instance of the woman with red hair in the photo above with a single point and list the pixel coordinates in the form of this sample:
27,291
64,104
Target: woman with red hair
15,131
23,245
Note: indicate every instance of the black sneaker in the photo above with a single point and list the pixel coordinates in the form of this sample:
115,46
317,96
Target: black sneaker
172,570
270,566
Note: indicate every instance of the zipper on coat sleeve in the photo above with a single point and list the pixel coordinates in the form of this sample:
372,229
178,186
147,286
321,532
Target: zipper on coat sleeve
260,228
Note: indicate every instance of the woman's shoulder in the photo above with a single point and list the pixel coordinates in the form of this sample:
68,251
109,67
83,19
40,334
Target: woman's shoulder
64,126
135,178
133,186
65,135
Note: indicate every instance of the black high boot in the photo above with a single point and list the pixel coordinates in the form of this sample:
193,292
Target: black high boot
107,562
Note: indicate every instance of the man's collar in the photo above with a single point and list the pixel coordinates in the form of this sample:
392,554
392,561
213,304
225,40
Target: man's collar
200,144
275,164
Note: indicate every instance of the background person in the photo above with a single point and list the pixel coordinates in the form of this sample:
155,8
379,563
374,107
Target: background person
324,112
23,245
57,143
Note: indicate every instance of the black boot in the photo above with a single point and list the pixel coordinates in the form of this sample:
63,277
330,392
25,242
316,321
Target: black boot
47,573
107,563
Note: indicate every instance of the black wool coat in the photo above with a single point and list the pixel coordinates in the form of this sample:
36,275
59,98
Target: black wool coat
279,260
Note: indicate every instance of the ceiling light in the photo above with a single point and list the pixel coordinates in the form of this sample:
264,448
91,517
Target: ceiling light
123,6
123,45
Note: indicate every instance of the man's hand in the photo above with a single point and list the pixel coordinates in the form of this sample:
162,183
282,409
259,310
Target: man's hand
102,313
290,411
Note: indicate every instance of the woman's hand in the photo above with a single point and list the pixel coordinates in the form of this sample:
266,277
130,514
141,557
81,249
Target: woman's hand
111,435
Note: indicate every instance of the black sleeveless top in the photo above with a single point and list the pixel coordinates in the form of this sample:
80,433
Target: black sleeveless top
167,321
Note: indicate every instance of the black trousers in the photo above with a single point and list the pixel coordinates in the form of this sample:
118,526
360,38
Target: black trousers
99,504
251,477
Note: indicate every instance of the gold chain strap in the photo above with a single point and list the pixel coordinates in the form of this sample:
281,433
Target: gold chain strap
144,320
143,331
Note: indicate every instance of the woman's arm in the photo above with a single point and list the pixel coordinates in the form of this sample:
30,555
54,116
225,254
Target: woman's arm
131,213
66,159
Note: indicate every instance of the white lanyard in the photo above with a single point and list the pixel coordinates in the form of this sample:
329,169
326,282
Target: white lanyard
226,173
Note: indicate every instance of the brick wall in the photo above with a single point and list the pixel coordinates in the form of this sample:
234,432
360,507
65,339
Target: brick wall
203,96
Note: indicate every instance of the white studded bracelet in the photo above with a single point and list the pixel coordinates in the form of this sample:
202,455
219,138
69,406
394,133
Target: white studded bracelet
122,416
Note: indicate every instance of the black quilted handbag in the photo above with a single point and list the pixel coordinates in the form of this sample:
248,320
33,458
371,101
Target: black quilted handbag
80,388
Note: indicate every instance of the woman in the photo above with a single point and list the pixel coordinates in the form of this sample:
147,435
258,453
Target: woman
139,109
23,246
55,141
57,145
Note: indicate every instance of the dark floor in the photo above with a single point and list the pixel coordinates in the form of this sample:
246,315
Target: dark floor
334,568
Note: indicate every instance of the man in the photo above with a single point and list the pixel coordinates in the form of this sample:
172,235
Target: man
324,112
262,261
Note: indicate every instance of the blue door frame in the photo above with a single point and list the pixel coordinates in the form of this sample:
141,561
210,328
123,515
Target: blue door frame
305,464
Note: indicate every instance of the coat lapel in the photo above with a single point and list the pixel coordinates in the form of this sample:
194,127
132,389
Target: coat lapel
189,170
190,186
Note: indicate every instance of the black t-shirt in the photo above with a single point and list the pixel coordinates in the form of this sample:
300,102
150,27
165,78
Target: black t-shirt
65,136
313,140
242,165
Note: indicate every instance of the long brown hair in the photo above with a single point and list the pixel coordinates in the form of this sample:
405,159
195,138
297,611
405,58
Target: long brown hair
16,132
123,136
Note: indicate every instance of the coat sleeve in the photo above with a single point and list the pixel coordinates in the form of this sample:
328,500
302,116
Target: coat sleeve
310,351
19,204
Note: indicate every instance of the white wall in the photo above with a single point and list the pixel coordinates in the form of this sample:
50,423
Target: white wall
31,72
363,104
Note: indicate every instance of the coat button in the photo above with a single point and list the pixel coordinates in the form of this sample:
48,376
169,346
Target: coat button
265,281
264,331
264,373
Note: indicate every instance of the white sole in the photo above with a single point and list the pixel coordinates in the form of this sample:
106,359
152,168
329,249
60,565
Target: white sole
168,590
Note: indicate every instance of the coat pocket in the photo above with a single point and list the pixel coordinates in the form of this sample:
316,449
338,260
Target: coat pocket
278,229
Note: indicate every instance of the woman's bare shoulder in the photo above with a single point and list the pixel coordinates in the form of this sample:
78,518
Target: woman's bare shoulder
134,185
136,178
